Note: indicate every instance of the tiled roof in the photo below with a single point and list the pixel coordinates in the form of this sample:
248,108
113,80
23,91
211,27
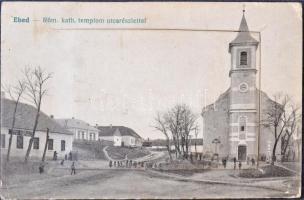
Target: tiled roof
76,123
244,35
110,130
25,118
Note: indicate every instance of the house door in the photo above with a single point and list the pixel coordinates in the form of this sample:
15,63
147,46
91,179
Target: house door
242,150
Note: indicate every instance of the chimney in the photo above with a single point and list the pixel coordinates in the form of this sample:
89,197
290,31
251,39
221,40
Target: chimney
52,116
73,118
96,125
110,125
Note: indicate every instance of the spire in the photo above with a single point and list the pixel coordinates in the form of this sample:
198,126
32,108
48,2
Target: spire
243,25
244,36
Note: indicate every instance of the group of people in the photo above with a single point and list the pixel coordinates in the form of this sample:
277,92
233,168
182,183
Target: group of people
126,164
234,163
134,164
66,157
224,162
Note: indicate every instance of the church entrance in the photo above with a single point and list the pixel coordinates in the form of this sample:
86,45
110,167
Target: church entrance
242,151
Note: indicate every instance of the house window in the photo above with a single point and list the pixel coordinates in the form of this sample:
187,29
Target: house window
36,143
2,141
94,137
19,142
50,144
243,59
82,133
90,136
62,145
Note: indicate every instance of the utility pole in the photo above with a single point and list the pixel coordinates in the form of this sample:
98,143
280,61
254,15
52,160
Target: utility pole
259,112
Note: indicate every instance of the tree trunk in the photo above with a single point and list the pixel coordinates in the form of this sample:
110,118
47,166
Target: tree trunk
33,135
177,150
46,144
187,145
11,133
273,152
286,142
168,148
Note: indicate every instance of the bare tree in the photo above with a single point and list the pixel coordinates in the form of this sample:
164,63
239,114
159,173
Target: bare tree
277,118
36,80
181,121
178,122
290,128
173,118
161,125
15,93
189,125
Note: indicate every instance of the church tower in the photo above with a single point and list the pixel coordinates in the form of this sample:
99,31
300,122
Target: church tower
243,102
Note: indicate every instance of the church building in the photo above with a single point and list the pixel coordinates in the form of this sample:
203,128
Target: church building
230,125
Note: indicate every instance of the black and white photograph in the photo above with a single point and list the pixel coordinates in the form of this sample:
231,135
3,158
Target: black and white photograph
151,100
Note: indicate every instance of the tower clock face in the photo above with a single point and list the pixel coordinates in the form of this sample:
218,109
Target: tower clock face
243,87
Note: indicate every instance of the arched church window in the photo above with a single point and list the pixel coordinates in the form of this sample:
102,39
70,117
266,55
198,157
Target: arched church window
243,59
242,127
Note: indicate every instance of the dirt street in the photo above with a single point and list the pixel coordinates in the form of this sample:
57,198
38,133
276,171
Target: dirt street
122,183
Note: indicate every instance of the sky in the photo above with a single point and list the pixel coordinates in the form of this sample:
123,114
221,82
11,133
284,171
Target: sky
124,77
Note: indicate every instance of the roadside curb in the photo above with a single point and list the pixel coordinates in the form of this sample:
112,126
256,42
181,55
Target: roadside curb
181,178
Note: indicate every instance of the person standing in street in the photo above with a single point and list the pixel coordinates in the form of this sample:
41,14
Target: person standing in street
41,168
73,169
252,161
224,163
55,155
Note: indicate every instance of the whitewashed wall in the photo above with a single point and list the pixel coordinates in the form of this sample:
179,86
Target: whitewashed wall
42,139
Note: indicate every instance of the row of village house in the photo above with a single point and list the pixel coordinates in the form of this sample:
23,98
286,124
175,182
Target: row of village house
62,132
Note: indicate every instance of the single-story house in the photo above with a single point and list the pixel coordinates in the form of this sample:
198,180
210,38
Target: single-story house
120,135
81,129
60,139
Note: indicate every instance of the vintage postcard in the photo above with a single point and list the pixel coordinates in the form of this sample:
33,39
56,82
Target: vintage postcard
151,100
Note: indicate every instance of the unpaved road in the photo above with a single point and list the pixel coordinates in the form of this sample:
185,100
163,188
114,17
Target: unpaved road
109,183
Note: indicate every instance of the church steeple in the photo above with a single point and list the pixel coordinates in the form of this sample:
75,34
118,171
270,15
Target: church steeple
244,37
242,97
243,25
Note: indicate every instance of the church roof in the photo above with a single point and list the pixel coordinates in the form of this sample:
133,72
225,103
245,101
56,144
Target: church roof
244,36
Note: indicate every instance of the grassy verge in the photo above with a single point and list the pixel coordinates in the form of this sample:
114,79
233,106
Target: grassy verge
265,172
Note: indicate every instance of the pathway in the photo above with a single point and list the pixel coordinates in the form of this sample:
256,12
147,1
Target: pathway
109,158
